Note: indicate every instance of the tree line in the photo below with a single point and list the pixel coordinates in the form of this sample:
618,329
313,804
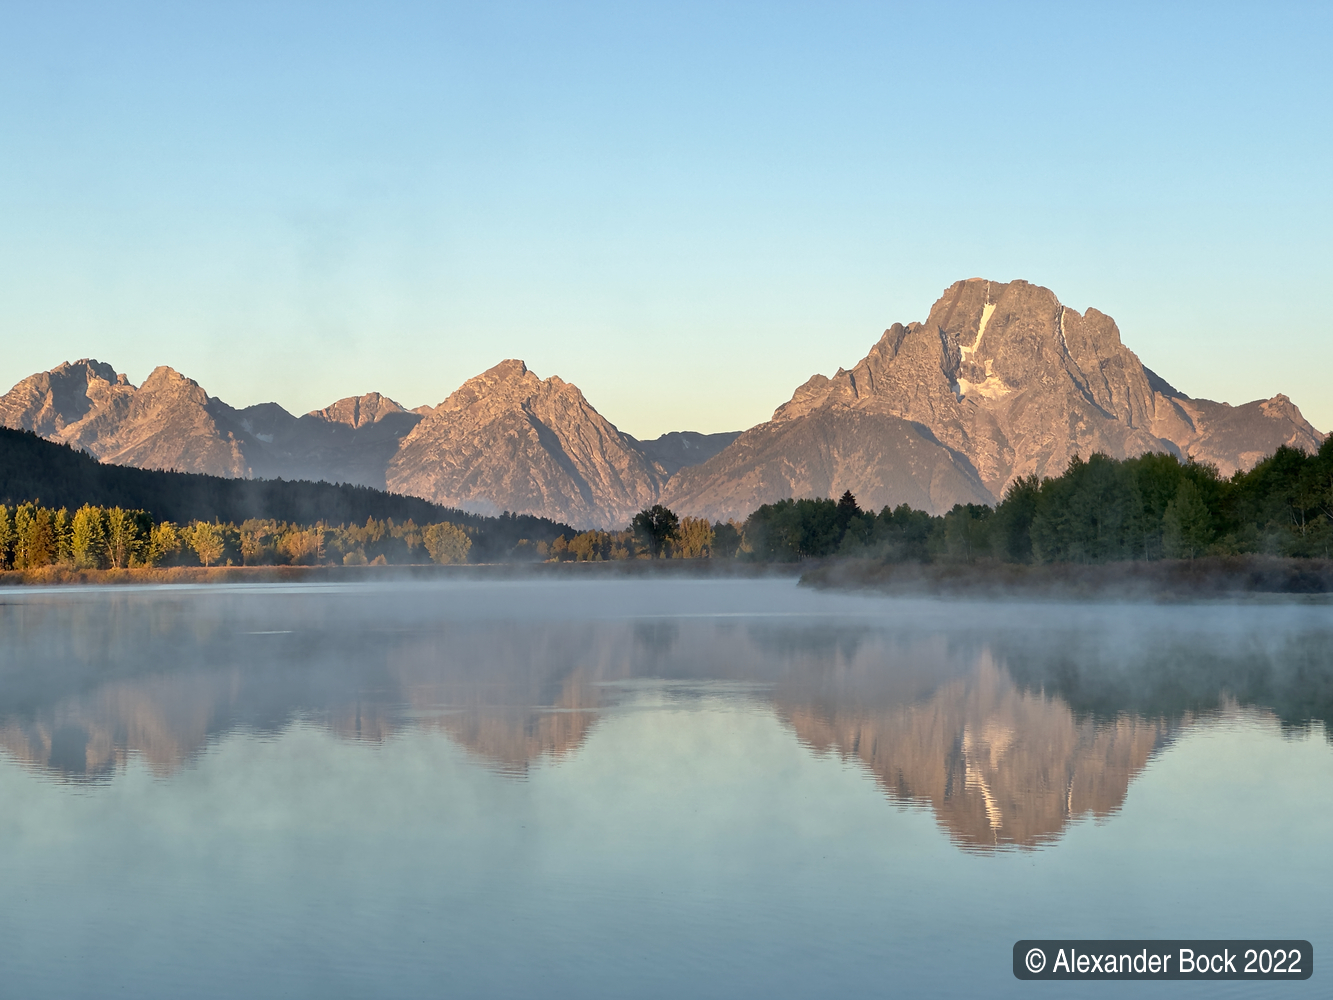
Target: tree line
1099,510
32,468
33,536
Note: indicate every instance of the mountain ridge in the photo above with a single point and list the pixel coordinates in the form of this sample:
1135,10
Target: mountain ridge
1008,382
1000,381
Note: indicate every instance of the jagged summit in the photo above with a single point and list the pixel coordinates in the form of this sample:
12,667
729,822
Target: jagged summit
1001,380
506,437
358,411
48,402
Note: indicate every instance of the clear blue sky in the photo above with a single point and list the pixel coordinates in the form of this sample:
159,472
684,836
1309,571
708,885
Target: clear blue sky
685,209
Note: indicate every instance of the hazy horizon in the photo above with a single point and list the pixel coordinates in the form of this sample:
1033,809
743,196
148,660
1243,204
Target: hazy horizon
685,211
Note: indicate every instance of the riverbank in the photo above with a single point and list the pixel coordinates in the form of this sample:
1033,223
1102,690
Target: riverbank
1163,580
48,576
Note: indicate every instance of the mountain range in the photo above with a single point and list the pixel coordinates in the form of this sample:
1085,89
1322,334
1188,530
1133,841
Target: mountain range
1002,380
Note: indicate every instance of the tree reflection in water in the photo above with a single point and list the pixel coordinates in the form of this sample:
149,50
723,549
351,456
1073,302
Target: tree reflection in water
1009,722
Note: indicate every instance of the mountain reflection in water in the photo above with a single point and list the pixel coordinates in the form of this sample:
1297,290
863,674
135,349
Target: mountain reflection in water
1008,721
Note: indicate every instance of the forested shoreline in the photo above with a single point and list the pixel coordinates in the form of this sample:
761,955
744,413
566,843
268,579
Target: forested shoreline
1100,510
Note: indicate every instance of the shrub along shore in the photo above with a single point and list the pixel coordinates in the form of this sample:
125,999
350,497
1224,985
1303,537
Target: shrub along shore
1100,513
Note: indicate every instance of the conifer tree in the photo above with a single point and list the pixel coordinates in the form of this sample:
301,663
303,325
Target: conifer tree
656,526
1187,528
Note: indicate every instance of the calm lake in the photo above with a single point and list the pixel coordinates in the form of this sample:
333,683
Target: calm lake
620,787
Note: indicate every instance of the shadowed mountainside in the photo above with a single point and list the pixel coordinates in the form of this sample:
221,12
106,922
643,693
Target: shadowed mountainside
35,469
504,441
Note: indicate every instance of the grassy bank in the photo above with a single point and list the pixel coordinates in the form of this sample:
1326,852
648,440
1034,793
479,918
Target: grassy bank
1166,579
48,576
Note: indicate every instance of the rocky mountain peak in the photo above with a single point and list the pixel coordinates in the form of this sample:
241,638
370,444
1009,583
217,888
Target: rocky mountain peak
498,386
1002,380
49,402
537,443
165,379
358,411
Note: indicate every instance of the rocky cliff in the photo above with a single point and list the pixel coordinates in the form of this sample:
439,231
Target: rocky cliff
170,422
1001,381
508,440
167,423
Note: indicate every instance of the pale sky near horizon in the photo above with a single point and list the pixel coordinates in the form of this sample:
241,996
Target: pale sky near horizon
685,209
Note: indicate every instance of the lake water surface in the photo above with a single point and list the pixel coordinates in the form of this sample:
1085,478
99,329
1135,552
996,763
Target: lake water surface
645,788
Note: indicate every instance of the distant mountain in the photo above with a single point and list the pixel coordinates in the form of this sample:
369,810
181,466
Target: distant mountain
507,439
1001,381
678,449
170,422
350,441
32,468
167,423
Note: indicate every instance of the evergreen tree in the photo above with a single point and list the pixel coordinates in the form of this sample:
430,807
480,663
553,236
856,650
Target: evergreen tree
847,508
1011,525
656,526
1187,526
966,531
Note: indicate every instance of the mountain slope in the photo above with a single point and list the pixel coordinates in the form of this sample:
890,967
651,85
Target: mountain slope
32,468
675,450
170,422
167,423
350,441
1008,382
507,439
881,458
1001,380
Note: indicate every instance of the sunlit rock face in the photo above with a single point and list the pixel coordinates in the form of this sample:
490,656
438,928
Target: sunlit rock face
49,402
170,422
999,766
167,423
1000,381
508,440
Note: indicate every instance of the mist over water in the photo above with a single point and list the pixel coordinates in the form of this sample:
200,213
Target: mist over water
643,787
